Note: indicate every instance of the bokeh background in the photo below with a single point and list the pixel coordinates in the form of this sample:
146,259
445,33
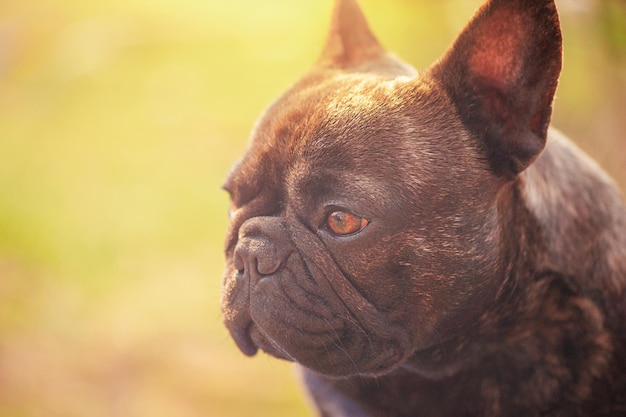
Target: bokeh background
119,120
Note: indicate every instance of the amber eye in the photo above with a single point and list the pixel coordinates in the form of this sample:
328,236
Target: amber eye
342,223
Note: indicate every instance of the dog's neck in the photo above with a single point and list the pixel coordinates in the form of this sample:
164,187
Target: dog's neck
556,196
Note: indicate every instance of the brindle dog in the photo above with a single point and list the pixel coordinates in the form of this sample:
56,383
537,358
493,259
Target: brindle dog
425,245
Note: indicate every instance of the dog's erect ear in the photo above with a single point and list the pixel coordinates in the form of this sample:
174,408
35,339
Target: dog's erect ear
350,42
501,73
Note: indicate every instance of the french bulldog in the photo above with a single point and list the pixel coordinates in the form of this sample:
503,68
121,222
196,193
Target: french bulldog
425,244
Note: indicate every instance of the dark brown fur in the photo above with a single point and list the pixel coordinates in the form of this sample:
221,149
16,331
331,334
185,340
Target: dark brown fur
491,277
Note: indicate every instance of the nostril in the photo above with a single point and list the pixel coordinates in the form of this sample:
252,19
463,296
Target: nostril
238,264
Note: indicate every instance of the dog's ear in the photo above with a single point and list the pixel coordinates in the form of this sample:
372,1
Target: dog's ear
501,73
350,42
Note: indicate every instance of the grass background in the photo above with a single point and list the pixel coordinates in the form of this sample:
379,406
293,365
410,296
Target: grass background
118,122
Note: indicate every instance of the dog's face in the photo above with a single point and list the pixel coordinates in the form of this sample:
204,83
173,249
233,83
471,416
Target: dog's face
364,221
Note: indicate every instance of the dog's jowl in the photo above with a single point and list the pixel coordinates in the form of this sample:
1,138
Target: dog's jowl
425,244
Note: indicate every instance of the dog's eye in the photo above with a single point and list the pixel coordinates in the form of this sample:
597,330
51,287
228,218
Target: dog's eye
342,223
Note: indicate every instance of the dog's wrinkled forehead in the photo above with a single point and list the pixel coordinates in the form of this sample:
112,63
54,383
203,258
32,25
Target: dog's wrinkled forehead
334,121
337,121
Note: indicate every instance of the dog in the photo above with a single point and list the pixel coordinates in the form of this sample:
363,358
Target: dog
426,244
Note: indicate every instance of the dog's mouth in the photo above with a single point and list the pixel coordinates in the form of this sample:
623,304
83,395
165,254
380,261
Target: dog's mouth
250,339
338,352
243,340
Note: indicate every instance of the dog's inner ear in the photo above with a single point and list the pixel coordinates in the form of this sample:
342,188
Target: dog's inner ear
350,42
501,74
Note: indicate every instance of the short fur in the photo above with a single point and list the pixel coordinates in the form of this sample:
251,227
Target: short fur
490,278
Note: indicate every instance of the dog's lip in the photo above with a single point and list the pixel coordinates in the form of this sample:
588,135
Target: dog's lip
244,342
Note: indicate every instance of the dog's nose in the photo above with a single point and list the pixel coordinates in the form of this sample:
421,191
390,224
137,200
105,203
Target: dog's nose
256,256
261,249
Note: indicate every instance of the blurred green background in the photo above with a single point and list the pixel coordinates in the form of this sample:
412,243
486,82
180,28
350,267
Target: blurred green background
118,122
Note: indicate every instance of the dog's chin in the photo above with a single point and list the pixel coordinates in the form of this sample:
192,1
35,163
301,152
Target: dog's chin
332,360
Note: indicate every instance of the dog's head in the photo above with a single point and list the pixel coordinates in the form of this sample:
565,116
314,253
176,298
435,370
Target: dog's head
364,223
